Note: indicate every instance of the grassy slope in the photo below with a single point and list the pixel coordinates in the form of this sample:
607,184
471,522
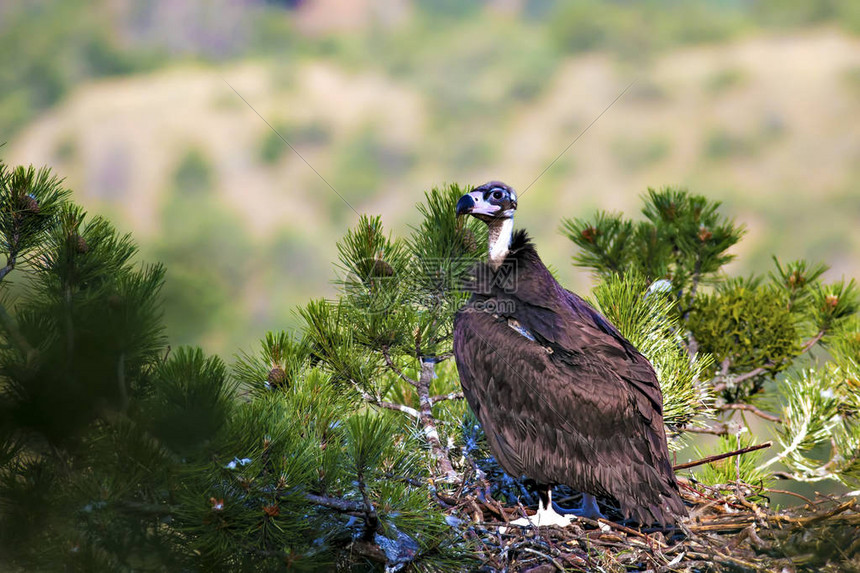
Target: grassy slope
767,124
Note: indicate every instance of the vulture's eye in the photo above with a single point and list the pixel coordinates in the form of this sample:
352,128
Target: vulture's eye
497,194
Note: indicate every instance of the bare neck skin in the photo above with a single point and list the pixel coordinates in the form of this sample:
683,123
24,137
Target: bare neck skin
500,232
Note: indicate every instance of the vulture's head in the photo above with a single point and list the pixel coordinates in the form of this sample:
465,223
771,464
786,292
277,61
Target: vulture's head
494,203
490,202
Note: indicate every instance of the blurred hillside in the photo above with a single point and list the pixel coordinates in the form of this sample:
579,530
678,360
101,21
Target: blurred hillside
756,103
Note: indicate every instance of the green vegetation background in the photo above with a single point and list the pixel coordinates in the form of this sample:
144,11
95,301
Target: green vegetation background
132,104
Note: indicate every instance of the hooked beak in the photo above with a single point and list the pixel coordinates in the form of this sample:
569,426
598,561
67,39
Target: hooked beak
473,204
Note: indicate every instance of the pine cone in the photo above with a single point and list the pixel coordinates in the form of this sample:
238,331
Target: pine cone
589,234
277,377
796,279
704,234
28,204
381,268
81,245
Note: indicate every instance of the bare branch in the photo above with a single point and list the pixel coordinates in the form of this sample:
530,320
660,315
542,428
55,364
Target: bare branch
812,341
11,259
397,407
443,397
720,429
795,494
718,457
753,373
750,408
377,401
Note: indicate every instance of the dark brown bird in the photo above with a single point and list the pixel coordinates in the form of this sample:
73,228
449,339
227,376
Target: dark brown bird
562,396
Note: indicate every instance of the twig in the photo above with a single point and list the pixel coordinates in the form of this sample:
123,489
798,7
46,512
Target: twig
720,430
753,373
812,341
443,397
549,558
336,503
393,367
754,410
795,494
377,401
398,408
827,514
10,264
628,530
719,457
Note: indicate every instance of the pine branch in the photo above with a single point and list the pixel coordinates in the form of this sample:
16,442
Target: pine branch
720,386
428,421
443,397
337,503
754,372
371,520
393,367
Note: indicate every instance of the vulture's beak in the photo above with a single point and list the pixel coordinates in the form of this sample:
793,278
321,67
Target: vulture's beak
473,204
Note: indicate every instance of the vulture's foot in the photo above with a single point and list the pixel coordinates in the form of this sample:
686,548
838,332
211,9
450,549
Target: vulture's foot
544,517
588,509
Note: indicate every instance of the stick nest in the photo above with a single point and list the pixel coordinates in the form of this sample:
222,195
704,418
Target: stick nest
731,527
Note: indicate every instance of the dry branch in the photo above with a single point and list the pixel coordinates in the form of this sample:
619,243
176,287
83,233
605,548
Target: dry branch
718,457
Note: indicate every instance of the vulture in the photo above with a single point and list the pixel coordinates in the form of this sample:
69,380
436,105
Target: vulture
562,396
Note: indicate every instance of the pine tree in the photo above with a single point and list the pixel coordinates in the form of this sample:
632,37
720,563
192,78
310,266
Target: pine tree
347,445
120,454
757,338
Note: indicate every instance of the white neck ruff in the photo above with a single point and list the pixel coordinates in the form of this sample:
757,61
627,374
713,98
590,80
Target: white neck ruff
500,241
